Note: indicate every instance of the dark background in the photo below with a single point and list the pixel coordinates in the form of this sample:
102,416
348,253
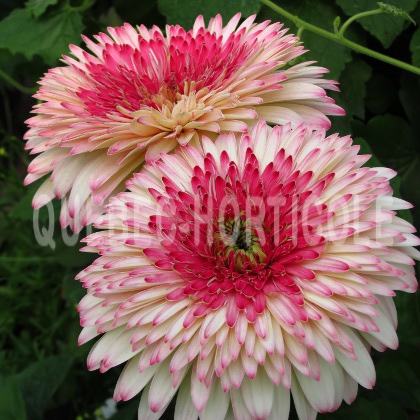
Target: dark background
42,370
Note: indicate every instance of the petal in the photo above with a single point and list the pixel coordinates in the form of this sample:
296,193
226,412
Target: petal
161,389
303,407
361,369
217,404
258,395
144,412
281,404
184,408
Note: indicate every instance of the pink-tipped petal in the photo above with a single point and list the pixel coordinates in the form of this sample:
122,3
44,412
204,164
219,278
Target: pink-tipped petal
247,270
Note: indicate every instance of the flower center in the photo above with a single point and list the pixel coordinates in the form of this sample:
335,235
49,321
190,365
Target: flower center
237,234
238,241
231,244
175,115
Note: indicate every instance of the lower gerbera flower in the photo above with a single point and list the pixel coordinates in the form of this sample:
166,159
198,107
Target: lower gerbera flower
254,269
141,92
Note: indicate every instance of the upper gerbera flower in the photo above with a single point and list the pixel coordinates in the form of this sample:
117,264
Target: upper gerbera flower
141,92
257,265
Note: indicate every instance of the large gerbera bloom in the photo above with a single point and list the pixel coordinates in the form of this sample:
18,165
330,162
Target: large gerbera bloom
259,265
140,92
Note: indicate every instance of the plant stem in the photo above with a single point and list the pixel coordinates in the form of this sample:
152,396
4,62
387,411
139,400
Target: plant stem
15,84
300,31
340,39
350,20
84,6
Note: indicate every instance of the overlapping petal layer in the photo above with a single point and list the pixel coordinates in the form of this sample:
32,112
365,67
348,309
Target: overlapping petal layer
258,268
139,93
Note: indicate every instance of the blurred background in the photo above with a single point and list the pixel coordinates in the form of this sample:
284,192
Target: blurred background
42,370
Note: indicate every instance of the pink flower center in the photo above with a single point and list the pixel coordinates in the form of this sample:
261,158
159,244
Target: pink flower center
240,236
161,70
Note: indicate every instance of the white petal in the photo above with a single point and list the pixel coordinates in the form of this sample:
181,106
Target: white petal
386,334
229,414
362,369
44,194
339,382
258,395
131,382
373,342
67,171
392,203
239,408
144,412
303,408
200,393
236,373
320,394
184,408
87,334
101,347
119,352
387,304
161,389
350,388
217,405
281,404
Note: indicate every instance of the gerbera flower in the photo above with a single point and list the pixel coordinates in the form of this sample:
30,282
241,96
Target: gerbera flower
140,92
257,267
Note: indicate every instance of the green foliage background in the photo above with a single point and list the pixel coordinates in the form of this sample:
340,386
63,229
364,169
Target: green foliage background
42,370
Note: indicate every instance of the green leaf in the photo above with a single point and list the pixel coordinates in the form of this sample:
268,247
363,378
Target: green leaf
12,406
409,95
23,210
352,80
8,63
398,377
408,307
415,48
73,291
393,141
384,27
395,182
47,37
381,93
38,7
337,23
70,256
184,12
390,410
146,14
39,382
322,13
111,18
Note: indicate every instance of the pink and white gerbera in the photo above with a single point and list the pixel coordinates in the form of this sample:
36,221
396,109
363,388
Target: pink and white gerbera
261,266
139,93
